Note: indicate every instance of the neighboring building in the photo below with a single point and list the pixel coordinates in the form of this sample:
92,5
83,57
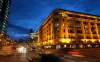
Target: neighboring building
4,12
34,36
67,27
34,39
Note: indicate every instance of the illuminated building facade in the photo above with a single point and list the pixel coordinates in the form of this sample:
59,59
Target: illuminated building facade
4,10
68,27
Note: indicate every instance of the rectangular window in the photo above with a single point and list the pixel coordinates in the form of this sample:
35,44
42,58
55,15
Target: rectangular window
93,32
98,24
70,36
70,31
64,36
85,23
98,19
87,32
80,36
77,26
95,37
64,30
88,37
92,18
63,20
92,23
79,31
71,26
92,28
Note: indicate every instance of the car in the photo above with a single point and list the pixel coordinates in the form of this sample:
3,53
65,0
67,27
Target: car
68,51
74,52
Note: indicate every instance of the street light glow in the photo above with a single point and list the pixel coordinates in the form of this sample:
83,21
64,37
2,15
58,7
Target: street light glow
22,49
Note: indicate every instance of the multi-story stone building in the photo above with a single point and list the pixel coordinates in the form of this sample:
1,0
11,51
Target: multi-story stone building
68,27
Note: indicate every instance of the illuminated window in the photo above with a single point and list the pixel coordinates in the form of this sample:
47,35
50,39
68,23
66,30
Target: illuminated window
63,25
87,32
4,23
86,27
57,29
63,14
3,26
57,24
6,16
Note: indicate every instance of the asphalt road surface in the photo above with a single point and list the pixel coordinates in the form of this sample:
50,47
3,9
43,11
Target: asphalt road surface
87,55
13,58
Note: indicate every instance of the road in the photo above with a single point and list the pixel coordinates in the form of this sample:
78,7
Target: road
91,55
16,57
88,55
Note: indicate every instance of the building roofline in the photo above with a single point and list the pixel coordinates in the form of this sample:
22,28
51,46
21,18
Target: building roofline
76,12
45,20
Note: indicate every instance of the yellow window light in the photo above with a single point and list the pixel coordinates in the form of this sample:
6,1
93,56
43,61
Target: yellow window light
63,14
65,40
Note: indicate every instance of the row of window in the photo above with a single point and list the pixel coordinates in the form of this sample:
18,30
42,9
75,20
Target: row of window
71,31
77,16
81,37
77,24
80,31
71,37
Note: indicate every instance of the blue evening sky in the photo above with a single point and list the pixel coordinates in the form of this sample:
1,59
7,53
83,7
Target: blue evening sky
29,14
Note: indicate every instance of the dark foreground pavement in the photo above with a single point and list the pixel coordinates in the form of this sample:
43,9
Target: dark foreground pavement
17,57
13,58
87,55
91,55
